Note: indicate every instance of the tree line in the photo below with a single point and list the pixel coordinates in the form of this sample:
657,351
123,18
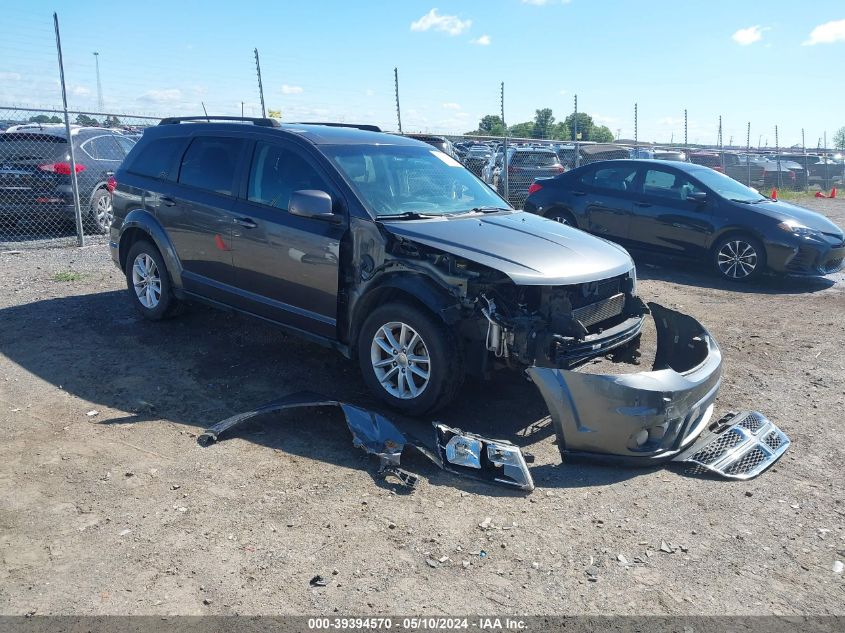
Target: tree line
81,119
544,126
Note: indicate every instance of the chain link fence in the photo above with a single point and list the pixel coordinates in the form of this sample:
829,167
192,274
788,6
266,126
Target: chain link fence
44,172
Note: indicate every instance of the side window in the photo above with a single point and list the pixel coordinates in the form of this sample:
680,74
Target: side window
277,172
210,163
156,160
667,185
616,178
103,148
125,143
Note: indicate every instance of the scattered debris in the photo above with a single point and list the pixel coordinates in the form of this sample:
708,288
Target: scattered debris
622,560
838,567
125,532
432,563
318,581
486,523
664,547
92,413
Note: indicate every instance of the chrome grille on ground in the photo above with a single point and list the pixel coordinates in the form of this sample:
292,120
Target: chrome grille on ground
600,310
742,450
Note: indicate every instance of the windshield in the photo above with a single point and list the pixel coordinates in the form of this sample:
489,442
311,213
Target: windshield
727,187
394,180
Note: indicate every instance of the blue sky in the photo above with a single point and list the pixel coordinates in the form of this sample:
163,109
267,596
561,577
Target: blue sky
769,63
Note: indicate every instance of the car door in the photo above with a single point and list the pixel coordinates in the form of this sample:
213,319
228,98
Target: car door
606,197
198,213
666,216
286,266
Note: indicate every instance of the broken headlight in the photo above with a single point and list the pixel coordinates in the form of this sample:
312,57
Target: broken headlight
481,458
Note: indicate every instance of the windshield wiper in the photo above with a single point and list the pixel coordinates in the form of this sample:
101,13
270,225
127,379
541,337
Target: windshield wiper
482,210
407,215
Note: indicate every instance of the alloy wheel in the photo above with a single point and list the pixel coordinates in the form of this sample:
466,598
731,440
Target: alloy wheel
146,280
400,360
737,259
103,212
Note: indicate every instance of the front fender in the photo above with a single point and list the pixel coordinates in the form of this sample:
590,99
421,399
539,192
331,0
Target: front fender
143,220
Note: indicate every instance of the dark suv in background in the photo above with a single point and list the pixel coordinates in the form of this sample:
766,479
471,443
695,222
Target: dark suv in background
374,244
35,172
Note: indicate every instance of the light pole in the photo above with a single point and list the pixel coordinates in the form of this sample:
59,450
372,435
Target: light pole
100,105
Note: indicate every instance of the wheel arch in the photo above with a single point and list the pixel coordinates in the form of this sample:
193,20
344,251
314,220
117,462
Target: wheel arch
562,208
414,289
736,231
140,224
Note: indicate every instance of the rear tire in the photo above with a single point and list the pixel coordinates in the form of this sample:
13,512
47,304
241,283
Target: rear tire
739,258
410,359
148,282
101,212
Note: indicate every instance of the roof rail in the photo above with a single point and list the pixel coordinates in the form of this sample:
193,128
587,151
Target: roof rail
264,122
359,126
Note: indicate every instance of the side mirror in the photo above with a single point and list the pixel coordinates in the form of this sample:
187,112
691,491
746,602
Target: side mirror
699,197
312,203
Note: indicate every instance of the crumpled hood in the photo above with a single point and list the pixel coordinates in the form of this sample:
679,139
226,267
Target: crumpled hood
786,211
527,248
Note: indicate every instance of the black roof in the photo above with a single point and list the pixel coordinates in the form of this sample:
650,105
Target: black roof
317,134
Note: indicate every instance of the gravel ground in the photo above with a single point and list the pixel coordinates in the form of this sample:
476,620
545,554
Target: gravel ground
121,512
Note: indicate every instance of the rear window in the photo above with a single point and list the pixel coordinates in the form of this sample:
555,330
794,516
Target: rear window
210,163
17,147
708,161
535,159
156,160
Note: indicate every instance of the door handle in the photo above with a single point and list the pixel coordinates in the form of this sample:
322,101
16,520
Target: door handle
643,205
247,223
168,202
579,193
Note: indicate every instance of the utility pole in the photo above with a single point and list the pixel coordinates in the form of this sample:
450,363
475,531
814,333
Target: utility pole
260,87
575,133
685,130
100,104
636,133
396,90
748,152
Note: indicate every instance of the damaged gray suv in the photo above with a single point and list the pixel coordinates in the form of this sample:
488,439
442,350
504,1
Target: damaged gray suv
377,245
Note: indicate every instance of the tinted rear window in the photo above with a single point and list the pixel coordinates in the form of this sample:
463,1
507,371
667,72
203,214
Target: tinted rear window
18,147
539,159
210,163
709,161
156,160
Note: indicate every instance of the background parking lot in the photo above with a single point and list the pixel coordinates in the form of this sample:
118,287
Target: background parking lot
108,505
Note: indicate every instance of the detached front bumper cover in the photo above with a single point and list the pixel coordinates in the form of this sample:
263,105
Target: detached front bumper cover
642,417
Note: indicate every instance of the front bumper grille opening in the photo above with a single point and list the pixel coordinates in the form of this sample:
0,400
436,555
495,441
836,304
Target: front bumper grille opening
773,440
832,265
751,460
803,259
601,310
753,423
714,451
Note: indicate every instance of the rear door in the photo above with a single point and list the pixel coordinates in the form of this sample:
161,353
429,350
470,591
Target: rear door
198,214
666,218
286,266
606,192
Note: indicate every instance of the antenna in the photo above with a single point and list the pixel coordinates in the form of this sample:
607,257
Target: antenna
206,111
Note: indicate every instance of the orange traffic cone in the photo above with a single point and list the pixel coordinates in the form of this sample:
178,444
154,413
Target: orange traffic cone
833,192
774,195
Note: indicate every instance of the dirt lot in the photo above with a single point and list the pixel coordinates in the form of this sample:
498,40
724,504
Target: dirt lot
123,513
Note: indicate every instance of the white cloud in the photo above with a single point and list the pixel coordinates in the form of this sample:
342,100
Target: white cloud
602,119
10,77
450,24
542,3
483,40
80,91
291,90
827,33
745,37
452,105
168,95
369,92
564,92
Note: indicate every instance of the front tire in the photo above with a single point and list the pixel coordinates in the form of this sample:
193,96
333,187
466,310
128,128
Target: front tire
409,358
148,282
739,258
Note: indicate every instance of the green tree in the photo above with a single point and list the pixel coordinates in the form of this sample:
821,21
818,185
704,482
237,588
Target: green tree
839,138
84,119
585,126
560,131
55,119
543,122
41,118
522,130
601,134
488,123
112,121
